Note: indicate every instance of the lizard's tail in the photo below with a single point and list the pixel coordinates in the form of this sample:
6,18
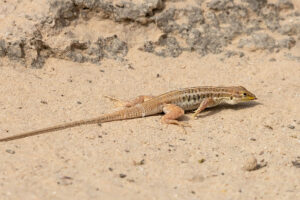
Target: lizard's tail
118,115
49,129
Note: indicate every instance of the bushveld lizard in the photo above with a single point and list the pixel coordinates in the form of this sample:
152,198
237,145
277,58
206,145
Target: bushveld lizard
173,104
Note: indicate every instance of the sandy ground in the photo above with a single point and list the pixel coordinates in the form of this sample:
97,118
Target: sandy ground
141,158
89,161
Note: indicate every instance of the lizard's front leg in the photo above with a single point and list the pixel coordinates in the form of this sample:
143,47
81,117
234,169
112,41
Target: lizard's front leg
204,104
172,113
138,100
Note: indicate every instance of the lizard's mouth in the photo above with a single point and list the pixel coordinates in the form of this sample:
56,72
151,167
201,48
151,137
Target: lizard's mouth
249,98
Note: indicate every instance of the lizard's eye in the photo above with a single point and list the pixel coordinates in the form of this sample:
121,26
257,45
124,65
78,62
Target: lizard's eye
231,97
244,94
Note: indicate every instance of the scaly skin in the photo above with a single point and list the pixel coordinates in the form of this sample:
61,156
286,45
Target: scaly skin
173,104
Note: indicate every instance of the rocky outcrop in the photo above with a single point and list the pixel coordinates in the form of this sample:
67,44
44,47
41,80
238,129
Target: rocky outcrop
33,31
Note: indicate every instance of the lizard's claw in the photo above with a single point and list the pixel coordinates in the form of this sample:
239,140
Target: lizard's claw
195,116
182,125
178,123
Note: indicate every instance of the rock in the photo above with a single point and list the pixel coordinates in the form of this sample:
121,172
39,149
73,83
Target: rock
15,50
270,15
165,21
2,48
93,51
211,19
290,126
256,5
296,163
204,29
113,47
63,12
76,51
172,47
285,5
37,62
148,47
258,41
290,29
195,15
122,175
170,44
220,4
131,11
229,54
10,151
287,43
292,57
250,164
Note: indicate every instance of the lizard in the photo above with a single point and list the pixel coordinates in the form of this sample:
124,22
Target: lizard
173,104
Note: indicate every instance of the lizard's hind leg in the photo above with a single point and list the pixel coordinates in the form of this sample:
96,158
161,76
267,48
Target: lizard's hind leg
130,103
172,113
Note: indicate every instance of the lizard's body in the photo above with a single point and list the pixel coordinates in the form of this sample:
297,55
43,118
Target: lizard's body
172,103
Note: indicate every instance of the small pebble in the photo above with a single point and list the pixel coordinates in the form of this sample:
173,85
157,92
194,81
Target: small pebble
10,151
44,102
296,163
65,180
122,175
141,162
250,164
268,127
129,66
291,126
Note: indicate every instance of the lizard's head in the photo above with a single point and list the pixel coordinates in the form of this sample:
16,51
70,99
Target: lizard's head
240,94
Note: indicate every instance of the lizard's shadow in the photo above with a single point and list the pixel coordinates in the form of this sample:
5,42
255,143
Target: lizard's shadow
217,109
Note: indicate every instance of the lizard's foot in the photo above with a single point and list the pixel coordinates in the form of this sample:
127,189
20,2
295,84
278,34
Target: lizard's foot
182,125
173,112
117,102
195,116
138,100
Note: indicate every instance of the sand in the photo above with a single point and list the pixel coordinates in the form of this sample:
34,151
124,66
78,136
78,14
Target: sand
141,158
